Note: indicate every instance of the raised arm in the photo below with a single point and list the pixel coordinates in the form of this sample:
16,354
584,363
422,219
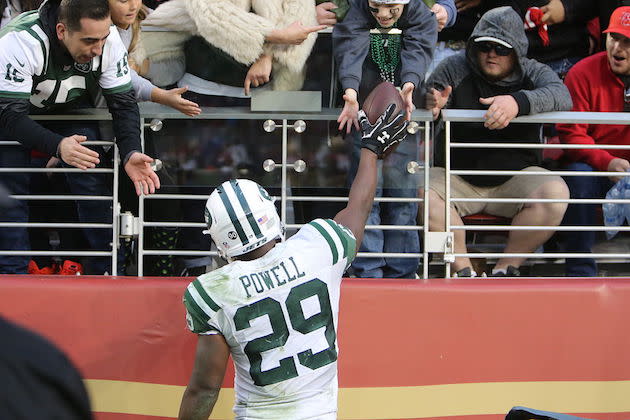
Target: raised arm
377,139
207,376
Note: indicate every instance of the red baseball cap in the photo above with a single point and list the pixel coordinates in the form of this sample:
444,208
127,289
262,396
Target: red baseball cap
620,21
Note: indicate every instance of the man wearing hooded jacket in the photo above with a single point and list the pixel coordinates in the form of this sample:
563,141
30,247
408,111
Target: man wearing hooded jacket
494,74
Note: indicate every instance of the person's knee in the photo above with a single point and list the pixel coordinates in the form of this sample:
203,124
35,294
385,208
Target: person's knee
436,209
553,190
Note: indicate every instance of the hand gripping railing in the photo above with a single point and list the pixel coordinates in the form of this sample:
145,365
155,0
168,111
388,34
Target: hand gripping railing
456,116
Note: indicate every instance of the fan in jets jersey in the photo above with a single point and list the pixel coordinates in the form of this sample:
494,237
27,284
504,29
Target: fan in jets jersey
274,308
37,72
51,80
52,60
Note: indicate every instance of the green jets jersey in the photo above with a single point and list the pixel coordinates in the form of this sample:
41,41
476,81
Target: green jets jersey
48,77
279,316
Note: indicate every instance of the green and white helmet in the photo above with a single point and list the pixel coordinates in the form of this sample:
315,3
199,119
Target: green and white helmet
241,217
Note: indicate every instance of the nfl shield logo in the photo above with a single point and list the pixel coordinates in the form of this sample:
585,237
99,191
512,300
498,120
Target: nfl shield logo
83,67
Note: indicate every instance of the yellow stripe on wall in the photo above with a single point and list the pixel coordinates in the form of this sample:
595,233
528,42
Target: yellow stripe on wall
391,402
148,399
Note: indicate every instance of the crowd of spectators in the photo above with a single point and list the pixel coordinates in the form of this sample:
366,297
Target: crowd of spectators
508,57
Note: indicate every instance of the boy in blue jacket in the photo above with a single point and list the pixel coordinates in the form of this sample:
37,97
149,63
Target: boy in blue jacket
364,60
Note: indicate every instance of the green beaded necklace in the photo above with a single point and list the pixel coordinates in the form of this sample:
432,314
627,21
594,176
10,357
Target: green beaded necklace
385,52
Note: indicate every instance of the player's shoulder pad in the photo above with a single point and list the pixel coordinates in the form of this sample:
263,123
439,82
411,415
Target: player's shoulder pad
197,298
339,239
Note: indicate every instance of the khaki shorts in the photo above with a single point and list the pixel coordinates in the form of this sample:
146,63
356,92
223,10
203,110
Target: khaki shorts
515,187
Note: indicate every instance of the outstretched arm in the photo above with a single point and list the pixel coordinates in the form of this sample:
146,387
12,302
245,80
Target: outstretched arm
361,196
207,376
377,139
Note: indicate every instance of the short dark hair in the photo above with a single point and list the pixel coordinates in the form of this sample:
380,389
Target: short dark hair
72,11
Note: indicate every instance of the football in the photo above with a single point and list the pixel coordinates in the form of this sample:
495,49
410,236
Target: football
379,99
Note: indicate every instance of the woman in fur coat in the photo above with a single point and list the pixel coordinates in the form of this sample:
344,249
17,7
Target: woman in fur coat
271,37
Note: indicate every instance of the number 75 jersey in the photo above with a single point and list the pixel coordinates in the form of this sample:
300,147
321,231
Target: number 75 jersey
35,67
279,315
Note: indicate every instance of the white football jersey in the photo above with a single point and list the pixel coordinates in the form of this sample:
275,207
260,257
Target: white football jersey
30,70
278,314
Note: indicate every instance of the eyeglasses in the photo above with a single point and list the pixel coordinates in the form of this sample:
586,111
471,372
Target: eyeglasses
499,49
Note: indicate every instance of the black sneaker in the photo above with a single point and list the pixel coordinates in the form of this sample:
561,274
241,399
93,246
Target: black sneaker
468,272
510,271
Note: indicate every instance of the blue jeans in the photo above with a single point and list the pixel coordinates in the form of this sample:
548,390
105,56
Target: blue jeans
393,181
562,66
16,239
582,215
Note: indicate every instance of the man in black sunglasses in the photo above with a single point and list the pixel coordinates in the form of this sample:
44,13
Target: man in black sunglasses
494,74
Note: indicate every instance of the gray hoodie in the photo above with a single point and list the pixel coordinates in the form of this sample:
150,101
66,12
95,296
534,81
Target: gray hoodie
534,86
547,93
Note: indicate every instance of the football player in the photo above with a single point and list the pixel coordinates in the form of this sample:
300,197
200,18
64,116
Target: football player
274,307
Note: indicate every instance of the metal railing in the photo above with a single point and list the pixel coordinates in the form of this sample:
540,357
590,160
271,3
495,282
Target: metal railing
51,197
155,116
270,121
459,116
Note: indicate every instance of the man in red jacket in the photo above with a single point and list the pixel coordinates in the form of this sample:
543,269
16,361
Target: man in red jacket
599,83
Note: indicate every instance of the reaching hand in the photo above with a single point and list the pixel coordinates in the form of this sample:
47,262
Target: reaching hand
324,14
618,165
138,167
74,154
348,116
437,99
173,98
259,73
407,96
294,34
553,12
503,109
441,15
383,135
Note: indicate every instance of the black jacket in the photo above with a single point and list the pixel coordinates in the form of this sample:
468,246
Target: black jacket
38,380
